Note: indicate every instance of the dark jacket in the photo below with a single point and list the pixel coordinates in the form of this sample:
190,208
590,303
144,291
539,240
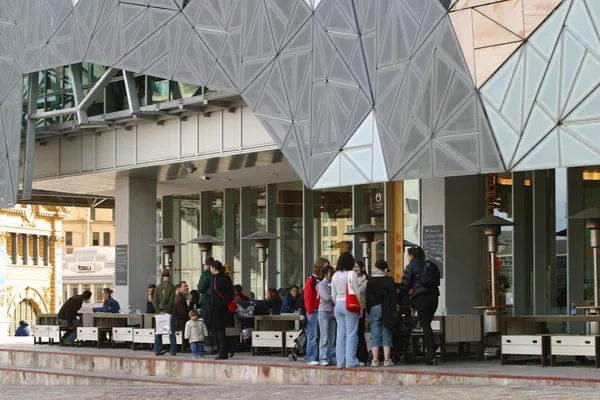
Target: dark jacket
109,306
69,310
378,287
204,285
181,311
410,280
290,305
22,329
164,296
218,315
150,308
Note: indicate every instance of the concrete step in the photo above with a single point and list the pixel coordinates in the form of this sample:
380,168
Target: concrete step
10,375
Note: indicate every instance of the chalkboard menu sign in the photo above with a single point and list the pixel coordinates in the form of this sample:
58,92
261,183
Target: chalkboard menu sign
121,264
433,245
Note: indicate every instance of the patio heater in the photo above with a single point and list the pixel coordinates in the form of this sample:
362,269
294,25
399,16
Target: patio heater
592,222
168,249
261,243
366,236
492,229
206,243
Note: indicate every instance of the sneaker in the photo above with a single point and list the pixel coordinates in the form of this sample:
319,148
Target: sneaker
313,363
375,363
388,363
324,364
361,364
195,356
433,362
202,356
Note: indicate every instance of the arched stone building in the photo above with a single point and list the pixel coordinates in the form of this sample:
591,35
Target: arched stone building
31,239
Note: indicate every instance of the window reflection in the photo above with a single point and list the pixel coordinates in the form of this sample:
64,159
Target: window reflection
332,213
290,229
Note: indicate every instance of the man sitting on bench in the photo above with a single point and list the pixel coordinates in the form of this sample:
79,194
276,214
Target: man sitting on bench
67,315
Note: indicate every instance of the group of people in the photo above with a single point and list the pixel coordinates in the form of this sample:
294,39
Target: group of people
214,294
336,333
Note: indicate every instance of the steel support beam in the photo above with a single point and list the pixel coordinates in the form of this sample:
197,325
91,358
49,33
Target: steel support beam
98,88
53,113
76,72
30,137
132,98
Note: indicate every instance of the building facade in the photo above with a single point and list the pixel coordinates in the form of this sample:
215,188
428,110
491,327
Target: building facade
306,118
88,268
31,242
89,227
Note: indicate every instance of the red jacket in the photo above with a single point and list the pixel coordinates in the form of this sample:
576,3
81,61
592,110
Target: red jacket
311,297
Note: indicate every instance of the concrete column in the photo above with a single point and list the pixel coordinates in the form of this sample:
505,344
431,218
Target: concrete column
205,214
171,228
358,218
520,245
93,290
248,258
308,222
36,250
272,265
463,202
542,229
576,243
25,248
229,232
389,224
135,209
47,250
15,248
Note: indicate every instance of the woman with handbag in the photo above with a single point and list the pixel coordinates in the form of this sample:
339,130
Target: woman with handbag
221,308
348,310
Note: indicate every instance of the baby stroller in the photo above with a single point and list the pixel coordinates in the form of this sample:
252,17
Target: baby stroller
299,348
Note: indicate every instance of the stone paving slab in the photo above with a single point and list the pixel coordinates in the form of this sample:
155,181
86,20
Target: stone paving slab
227,392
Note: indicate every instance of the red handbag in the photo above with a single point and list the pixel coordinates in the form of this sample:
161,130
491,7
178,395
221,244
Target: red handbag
232,305
352,303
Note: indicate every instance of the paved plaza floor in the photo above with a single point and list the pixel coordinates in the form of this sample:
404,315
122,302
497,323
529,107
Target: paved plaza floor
257,392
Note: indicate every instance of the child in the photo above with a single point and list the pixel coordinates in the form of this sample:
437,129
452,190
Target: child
195,332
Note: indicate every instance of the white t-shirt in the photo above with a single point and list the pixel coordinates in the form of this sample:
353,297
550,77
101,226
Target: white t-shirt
338,286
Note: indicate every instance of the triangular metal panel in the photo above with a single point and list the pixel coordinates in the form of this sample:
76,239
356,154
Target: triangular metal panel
577,152
446,163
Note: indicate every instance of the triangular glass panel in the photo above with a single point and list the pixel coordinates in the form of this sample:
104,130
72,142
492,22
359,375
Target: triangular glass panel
443,73
447,164
464,147
589,132
587,80
573,53
330,174
413,140
506,137
490,159
544,155
389,81
462,121
363,135
459,93
302,129
512,109
587,110
487,32
465,37
390,147
380,173
291,151
494,90
362,107
576,152
535,69
537,128
581,25
277,128
350,174
361,159
546,36
419,167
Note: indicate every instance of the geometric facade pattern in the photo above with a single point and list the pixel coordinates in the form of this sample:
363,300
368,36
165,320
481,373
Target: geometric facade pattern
352,91
544,102
489,31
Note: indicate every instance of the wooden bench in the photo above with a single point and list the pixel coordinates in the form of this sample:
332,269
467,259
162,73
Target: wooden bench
525,345
572,345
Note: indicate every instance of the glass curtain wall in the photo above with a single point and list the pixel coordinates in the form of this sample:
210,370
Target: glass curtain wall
591,187
216,226
412,213
332,218
290,229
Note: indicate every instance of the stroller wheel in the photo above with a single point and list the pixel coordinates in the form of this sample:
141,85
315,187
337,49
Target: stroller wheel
394,358
294,357
291,357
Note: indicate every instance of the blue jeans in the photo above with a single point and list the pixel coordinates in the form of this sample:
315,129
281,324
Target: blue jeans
71,335
172,339
327,328
378,330
347,336
197,348
312,337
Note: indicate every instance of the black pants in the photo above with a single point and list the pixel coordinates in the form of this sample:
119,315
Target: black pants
224,344
362,353
426,305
